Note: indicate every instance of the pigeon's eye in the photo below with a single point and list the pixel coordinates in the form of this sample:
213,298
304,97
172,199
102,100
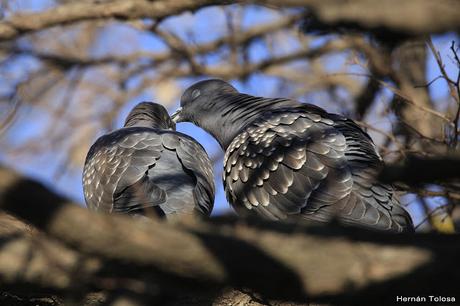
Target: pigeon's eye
195,94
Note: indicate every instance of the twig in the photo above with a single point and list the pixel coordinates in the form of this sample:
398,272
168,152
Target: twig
400,94
457,98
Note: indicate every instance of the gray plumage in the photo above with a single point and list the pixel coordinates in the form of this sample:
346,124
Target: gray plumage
147,167
284,159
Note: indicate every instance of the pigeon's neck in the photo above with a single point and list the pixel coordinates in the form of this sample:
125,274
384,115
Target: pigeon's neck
233,112
142,120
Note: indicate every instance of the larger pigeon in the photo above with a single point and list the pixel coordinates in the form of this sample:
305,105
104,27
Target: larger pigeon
147,167
287,160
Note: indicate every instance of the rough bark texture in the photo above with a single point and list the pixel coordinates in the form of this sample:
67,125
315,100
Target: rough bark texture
291,262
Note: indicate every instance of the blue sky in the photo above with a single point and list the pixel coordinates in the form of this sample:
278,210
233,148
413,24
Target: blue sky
205,25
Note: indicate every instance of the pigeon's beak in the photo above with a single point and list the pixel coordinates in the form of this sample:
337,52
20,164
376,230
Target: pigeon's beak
176,115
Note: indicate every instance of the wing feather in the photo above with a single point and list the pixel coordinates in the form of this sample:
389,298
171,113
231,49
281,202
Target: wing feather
195,159
117,163
294,162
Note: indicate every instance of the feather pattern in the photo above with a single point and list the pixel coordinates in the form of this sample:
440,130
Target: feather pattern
138,168
310,166
287,160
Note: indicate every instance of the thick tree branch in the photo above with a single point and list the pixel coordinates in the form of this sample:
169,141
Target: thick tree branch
73,12
287,261
416,170
414,16
42,265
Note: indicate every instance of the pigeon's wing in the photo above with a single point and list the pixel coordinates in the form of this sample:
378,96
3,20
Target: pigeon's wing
292,163
115,173
276,165
365,163
195,161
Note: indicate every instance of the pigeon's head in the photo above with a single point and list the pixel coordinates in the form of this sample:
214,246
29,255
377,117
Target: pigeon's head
199,100
149,114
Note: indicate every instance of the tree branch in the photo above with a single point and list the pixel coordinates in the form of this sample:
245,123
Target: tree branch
73,12
416,170
312,262
414,16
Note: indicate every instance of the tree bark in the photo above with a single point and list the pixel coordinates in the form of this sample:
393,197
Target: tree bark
291,262
412,17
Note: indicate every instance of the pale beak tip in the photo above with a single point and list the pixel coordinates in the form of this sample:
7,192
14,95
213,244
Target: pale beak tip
175,117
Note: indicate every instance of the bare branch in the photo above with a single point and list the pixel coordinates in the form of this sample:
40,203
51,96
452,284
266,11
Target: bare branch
73,12
418,170
363,13
415,17
342,264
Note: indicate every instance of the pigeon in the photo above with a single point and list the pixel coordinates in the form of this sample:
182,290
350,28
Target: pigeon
285,160
148,169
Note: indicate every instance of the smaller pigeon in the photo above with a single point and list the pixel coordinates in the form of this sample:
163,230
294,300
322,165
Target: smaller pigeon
147,168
